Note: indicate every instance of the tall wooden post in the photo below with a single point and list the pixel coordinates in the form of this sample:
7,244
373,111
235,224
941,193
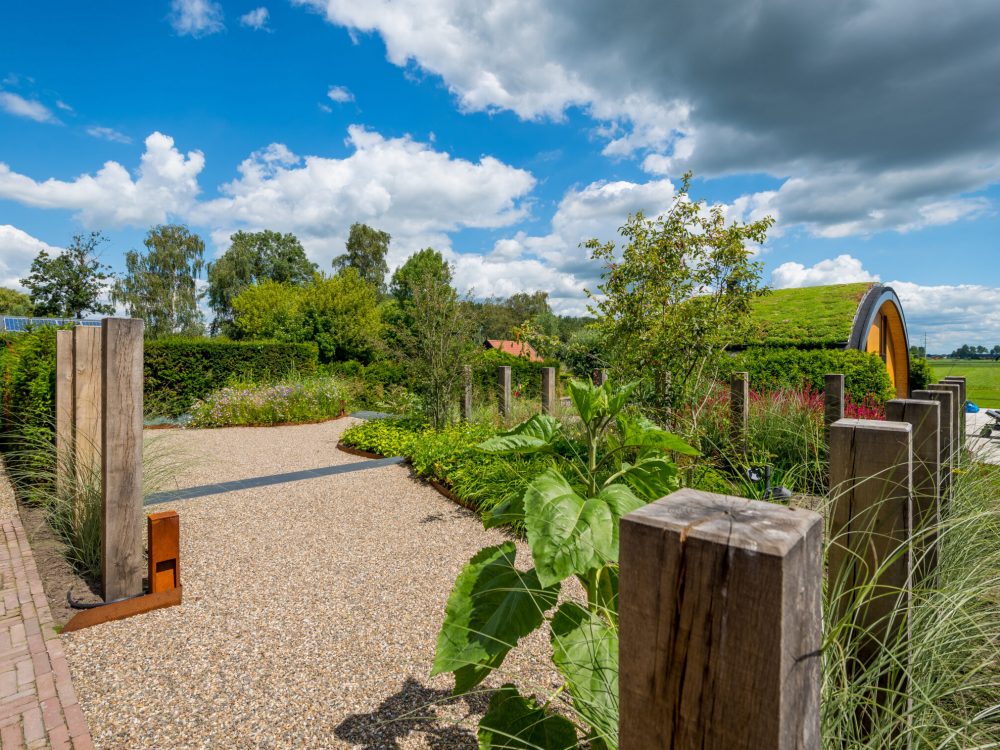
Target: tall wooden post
122,558
719,625
925,417
503,390
600,377
87,402
467,393
962,397
957,407
548,390
739,406
869,548
64,411
946,438
833,399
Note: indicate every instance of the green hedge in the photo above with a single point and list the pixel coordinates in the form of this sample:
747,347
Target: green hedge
27,386
773,368
180,371
523,372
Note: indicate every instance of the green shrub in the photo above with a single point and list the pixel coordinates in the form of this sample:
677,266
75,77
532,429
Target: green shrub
778,368
178,371
921,374
525,375
27,390
290,402
386,437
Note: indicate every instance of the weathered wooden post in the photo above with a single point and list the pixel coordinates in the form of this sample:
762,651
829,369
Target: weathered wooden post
833,399
64,411
122,558
503,389
869,555
548,390
600,377
947,439
956,418
719,625
739,406
925,417
87,402
467,393
962,397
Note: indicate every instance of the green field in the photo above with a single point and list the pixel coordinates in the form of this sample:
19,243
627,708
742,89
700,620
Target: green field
982,378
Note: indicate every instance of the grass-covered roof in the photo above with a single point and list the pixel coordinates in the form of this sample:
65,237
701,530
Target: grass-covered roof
813,316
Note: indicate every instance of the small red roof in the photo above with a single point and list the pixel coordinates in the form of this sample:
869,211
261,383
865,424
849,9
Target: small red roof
517,348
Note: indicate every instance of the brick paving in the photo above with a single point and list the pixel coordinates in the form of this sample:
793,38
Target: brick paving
38,706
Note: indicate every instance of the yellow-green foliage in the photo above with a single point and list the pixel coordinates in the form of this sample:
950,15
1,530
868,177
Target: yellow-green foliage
811,316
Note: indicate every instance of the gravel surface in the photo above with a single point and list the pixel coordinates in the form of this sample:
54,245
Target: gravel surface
310,613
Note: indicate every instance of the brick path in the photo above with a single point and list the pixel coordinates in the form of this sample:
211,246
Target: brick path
38,706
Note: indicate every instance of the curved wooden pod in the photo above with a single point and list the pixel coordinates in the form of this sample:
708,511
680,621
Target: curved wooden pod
880,328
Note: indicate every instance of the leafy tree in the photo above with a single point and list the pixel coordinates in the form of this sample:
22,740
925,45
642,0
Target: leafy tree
159,285
254,257
71,283
676,295
995,349
436,337
13,302
499,318
426,263
366,251
340,313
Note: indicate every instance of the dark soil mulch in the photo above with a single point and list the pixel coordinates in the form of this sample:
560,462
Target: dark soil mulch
57,575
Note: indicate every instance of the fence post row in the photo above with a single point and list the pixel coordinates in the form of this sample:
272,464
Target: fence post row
925,418
503,388
720,625
467,393
947,437
962,397
739,407
957,408
548,390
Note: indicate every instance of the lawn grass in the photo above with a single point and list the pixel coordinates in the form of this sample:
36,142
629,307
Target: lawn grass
982,378
817,316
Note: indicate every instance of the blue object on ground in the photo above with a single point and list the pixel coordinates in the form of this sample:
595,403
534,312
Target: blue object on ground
971,408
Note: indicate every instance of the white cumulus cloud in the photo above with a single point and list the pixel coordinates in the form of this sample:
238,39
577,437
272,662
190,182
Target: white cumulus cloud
340,94
17,250
166,184
843,269
196,18
256,19
32,109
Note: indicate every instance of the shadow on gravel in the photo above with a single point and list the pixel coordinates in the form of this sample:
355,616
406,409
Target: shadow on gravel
412,709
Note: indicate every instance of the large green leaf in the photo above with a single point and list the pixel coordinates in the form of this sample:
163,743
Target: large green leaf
513,722
585,650
568,534
491,607
531,436
509,512
640,432
619,397
651,478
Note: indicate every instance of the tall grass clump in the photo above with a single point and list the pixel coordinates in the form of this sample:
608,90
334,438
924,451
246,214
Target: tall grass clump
940,687
288,402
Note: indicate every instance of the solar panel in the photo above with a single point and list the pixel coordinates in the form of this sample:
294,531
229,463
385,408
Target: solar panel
19,324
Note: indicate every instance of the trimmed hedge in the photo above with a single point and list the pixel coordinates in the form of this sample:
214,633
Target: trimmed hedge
774,368
27,387
180,371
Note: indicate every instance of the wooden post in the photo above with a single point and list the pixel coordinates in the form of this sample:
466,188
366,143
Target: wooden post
956,418
871,483
946,438
87,402
600,377
122,559
962,397
833,399
467,393
548,390
720,625
925,417
503,389
739,406
64,411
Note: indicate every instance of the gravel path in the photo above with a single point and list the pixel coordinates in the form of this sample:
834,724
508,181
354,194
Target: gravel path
311,611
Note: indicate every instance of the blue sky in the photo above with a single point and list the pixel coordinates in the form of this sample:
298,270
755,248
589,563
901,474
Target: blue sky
504,133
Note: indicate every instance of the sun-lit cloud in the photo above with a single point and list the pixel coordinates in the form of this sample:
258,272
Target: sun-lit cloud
108,134
339,94
197,18
32,109
256,19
